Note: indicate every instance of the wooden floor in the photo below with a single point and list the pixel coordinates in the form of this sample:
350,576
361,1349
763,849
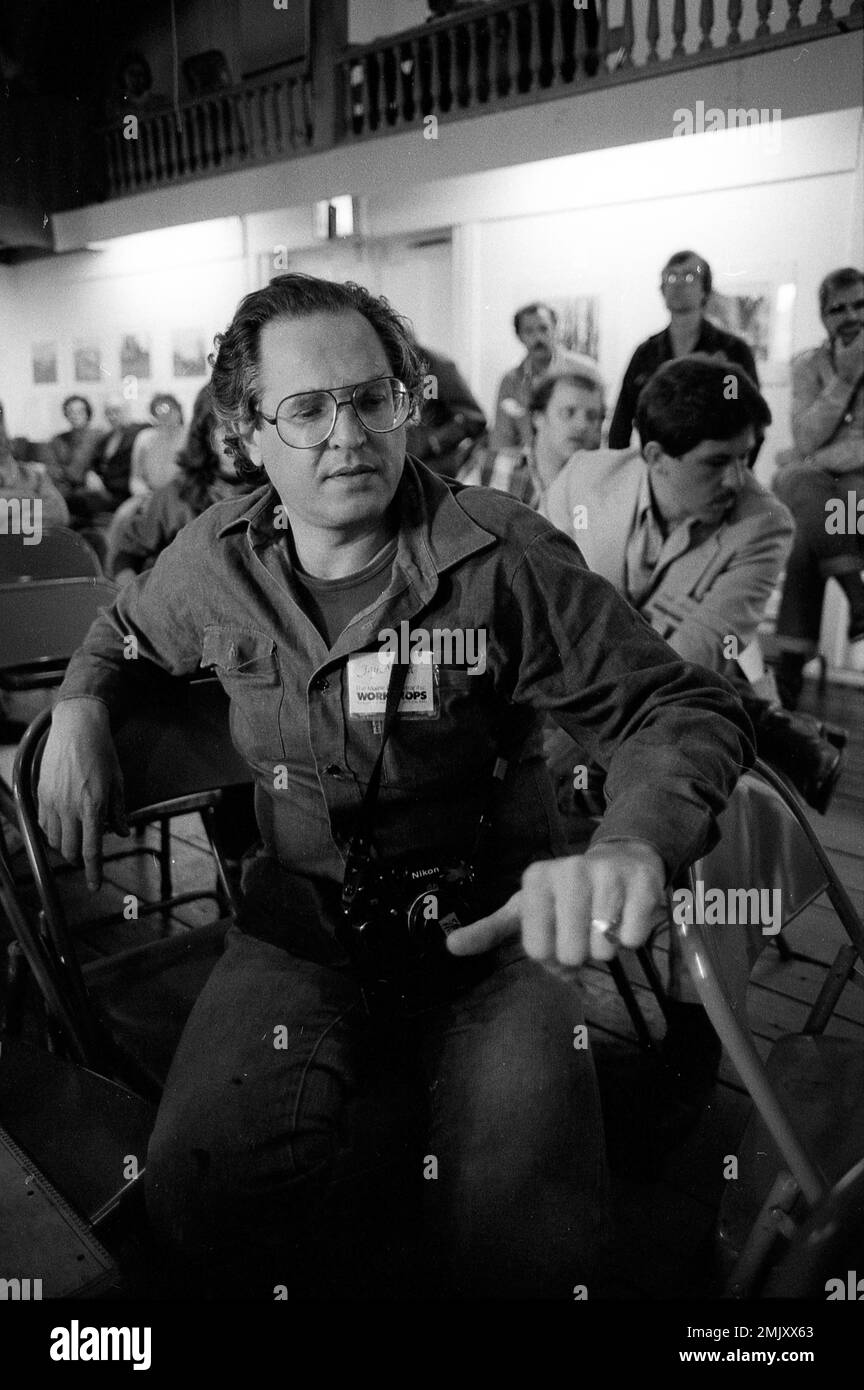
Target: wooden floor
665,1209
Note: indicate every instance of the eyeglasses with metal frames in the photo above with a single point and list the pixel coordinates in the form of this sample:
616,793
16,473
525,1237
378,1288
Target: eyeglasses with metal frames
308,418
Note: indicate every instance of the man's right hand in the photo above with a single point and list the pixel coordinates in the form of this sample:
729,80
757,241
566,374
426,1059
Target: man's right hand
81,785
849,360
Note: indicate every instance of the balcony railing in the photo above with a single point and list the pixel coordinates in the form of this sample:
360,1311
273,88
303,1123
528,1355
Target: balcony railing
518,52
254,123
487,58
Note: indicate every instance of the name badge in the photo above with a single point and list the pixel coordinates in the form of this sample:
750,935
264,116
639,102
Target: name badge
369,677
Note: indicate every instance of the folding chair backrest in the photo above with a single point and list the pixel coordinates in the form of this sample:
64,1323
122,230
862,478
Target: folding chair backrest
45,621
36,951
762,873
768,843
179,749
167,755
59,554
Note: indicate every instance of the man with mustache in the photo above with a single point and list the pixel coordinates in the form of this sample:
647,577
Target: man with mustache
535,326
286,595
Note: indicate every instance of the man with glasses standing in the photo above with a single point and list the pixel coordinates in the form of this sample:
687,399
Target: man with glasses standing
825,467
291,596
685,284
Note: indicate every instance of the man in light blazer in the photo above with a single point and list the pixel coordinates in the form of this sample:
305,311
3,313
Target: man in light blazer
683,530
680,526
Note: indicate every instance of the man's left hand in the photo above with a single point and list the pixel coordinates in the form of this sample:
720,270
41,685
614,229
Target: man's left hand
570,910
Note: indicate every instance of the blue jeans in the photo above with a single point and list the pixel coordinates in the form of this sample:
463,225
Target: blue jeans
507,1170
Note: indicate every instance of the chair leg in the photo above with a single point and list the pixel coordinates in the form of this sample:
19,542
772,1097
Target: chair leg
652,975
16,983
832,987
625,989
165,876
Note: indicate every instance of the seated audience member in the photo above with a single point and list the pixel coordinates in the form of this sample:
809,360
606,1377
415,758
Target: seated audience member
696,544
30,482
292,596
677,525
207,475
449,416
566,410
685,284
534,326
112,460
687,535
827,464
155,449
154,463
29,503
71,469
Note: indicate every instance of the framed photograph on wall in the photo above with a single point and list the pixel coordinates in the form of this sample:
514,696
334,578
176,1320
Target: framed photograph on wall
44,357
135,356
87,358
189,353
579,323
760,312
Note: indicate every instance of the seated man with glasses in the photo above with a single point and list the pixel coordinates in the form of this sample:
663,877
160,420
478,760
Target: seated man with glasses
391,644
685,284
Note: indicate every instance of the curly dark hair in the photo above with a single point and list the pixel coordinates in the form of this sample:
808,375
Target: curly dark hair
235,361
198,460
84,401
685,402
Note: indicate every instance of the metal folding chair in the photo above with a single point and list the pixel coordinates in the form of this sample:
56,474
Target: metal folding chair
60,554
808,1125
123,1015
42,623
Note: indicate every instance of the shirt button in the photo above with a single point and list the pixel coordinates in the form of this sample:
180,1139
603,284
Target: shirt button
321,685
333,770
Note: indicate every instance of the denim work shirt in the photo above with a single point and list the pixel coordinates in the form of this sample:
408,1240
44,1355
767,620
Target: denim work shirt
559,641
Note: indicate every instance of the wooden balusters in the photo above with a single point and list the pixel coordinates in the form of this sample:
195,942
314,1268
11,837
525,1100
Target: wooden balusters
603,35
652,31
109,144
580,47
763,8
706,24
435,75
194,115
411,81
535,57
794,20
629,35
825,15
734,35
465,55
679,28
512,53
557,46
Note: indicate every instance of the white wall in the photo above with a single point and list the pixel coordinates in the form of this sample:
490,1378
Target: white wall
601,222
102,295
373,19
776,234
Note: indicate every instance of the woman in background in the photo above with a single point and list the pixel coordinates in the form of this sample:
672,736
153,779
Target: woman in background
207,475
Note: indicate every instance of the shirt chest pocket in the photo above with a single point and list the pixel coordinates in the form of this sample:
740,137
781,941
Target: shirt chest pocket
457,747
246,664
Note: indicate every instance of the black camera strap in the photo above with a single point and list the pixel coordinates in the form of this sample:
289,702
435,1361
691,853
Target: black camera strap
361,843
362,836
